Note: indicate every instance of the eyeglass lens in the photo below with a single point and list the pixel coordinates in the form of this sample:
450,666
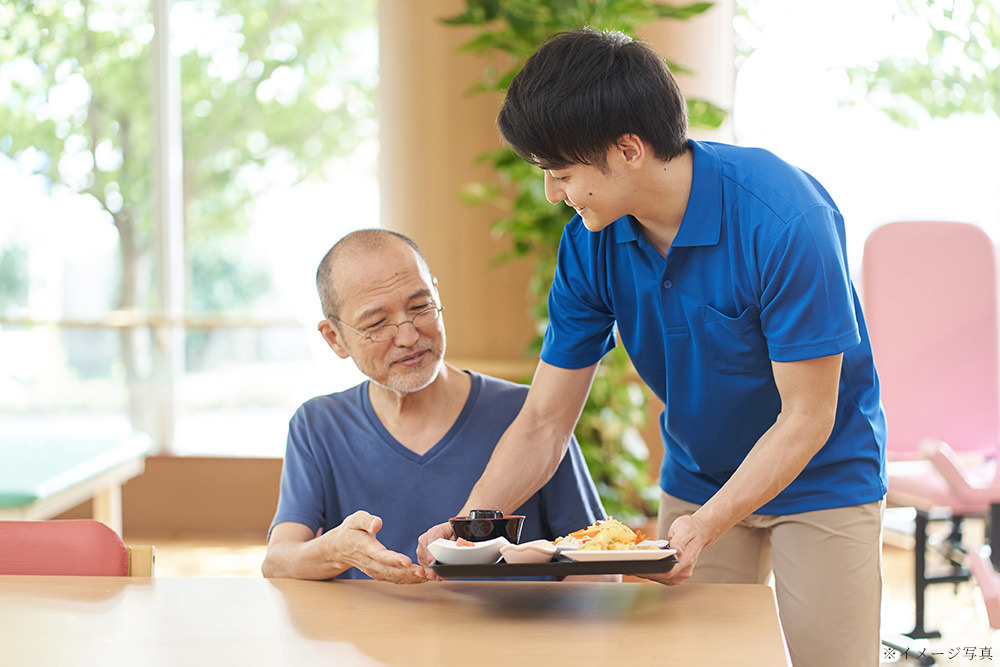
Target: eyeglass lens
421,319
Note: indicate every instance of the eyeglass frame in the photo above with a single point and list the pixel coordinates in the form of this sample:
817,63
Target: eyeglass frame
367,336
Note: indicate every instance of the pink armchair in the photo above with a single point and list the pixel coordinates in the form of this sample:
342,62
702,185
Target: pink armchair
80,547
977,484
930,296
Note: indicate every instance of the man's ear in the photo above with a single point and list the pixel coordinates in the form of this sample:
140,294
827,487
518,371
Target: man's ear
633,149
332,337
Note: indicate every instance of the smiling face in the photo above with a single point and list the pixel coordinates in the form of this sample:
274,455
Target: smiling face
387,284
600,196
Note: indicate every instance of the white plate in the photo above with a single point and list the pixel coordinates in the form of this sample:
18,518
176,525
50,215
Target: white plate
624,554
659,544
572,544
480,553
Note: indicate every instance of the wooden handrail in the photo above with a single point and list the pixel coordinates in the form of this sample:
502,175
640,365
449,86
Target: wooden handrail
123,319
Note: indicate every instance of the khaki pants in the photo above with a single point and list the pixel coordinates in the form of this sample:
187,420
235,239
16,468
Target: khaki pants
827,568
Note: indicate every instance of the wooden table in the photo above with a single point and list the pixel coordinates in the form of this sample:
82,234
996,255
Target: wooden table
243,621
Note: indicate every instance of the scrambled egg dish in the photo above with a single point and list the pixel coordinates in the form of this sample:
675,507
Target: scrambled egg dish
606,535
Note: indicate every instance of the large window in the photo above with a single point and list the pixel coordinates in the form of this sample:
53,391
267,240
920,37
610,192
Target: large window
801,93
277,156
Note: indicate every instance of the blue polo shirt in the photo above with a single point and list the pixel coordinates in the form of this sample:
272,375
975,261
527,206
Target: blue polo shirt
757,273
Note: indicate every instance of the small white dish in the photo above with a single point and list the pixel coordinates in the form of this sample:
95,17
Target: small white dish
535,551
623,554
479,553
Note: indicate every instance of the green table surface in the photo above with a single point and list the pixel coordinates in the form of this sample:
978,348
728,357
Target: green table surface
36,467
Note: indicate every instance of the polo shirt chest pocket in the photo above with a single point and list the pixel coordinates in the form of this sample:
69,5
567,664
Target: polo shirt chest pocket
736,345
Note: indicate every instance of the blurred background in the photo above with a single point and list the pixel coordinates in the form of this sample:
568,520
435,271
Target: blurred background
171,173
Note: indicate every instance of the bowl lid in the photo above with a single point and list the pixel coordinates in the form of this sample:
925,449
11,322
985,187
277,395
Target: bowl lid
475,517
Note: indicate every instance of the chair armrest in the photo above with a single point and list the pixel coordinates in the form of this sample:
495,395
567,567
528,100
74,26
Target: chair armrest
141,560
963,482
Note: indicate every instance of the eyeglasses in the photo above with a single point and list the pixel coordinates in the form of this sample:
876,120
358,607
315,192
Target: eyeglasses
386,332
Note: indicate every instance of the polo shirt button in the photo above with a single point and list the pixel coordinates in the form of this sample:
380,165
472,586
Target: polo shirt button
667,284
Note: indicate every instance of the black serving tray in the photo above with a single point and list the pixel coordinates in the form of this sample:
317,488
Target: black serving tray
559,566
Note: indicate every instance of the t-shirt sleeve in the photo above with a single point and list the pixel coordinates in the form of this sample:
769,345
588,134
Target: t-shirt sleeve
301,495
807,301
570,500
581,324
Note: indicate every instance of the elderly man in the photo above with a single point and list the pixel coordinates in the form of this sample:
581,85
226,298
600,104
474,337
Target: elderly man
367,470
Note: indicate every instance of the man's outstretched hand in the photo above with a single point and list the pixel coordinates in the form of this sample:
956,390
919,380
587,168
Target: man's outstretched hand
444,530
360,547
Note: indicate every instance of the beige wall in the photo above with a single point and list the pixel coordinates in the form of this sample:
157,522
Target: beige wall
432,132
198,497
703,44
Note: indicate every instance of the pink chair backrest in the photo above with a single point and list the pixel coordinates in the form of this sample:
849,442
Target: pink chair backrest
930,301
61,547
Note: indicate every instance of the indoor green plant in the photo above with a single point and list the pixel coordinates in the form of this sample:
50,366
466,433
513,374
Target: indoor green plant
615,410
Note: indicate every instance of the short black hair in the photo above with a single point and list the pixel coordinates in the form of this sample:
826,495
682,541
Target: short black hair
584,89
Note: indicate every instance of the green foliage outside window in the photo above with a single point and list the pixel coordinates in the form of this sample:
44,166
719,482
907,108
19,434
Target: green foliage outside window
615,410
270,92
13,278
959,71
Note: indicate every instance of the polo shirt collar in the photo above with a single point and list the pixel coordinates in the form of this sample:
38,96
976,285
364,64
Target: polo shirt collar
702,223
